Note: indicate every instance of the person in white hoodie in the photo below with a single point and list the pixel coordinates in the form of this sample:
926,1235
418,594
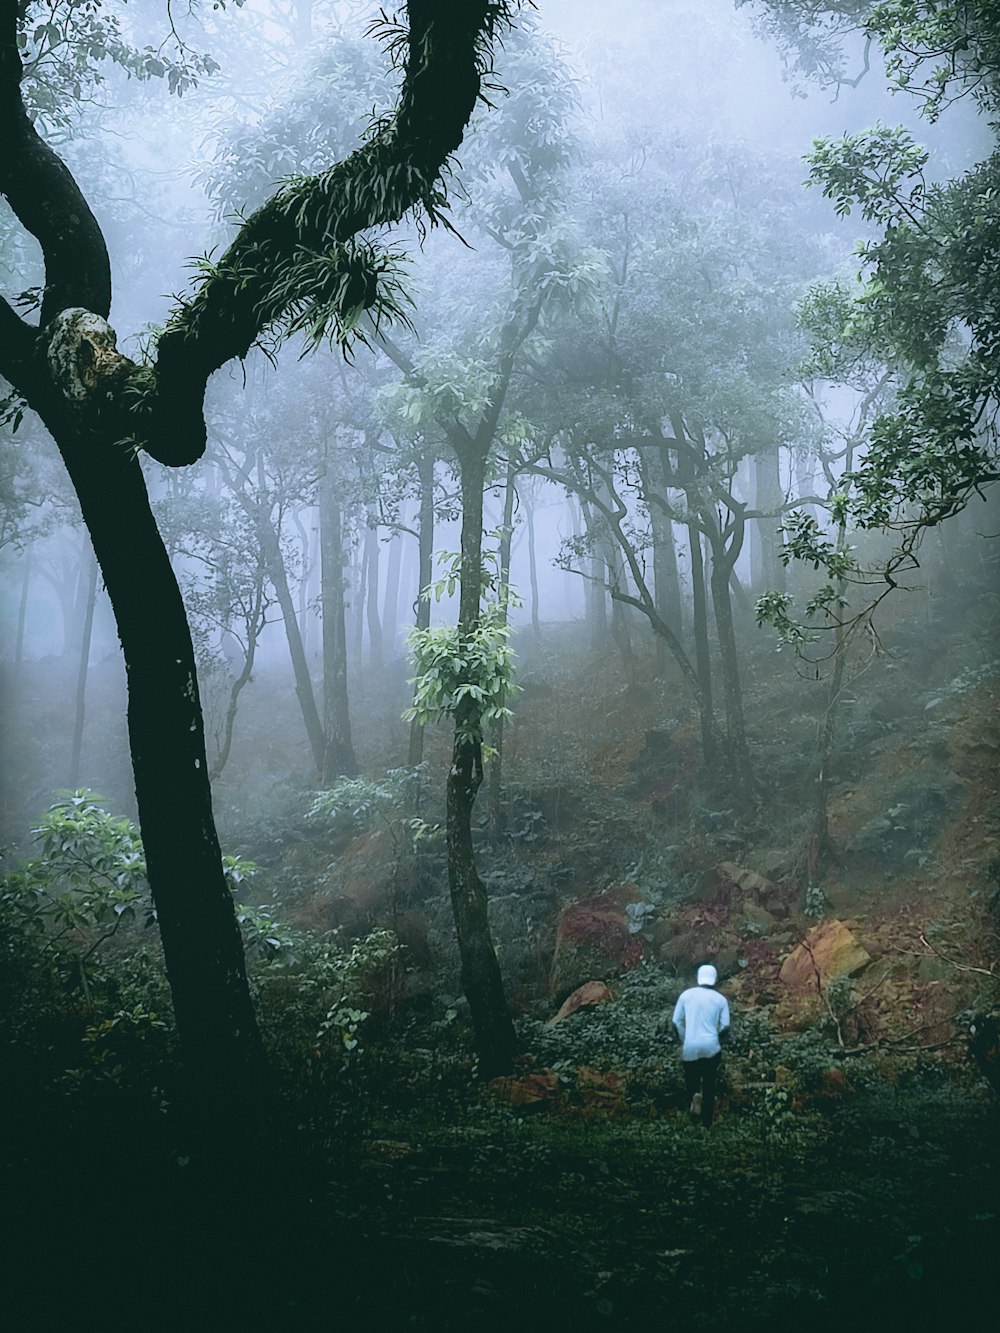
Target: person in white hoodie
701,1017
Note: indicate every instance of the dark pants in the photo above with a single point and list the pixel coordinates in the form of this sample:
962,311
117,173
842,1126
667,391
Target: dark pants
700,1076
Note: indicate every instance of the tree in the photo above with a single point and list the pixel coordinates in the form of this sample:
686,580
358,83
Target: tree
929,301
299,261
682,369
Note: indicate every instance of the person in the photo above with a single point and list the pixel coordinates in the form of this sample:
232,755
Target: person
701,1017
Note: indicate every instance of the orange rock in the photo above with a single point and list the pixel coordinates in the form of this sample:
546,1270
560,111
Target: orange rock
836,1083
829,950
591,992
528,1091
593,937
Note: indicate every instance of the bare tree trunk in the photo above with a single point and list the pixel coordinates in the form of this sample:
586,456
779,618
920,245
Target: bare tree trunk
620,631
81,675
598,605
302,591
361,586
271,547
22,609
767,571
739,754
338,756
374,624
702,655
202,947
390,600
722,568
666,580
425,558
821,848
254,627
536,625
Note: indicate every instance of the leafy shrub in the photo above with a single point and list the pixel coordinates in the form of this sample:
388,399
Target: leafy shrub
358,805
314,996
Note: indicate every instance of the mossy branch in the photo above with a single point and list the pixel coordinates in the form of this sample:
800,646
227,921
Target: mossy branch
268,274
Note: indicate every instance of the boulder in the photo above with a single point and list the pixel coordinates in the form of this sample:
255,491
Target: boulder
592,938
691,947
529,1092
726,960
755,920
753,885
591,992
750,887
835,1084
829,950
774,862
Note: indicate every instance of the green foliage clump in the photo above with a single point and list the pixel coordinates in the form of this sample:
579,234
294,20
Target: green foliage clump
453,666
631,1035
357,805
83,989
315,998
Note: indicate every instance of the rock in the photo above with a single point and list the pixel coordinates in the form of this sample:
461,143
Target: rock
829,950
755,920
726,960
934,969
774,862
747,886
591,992
689,948
835,1084
593,937
529,1092
753,885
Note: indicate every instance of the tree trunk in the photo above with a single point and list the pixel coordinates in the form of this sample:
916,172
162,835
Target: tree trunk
202,946
271,546
374,624
22,609
739,754
495,769
598,596
666,580
620,631
390,599
302,591
702,655
425,560
360,567
821,847
767,571
536,625
338,756
254,627
481,979
81,675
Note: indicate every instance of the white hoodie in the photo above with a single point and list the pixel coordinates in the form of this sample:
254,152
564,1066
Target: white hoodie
700,1015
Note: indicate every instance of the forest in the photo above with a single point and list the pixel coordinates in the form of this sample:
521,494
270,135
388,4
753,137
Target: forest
498,527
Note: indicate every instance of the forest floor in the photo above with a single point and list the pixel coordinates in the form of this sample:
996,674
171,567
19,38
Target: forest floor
874,1211
850,1180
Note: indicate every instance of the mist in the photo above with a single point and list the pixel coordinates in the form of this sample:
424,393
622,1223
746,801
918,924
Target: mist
499,515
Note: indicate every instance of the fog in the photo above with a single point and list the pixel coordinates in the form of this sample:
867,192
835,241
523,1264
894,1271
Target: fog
691,99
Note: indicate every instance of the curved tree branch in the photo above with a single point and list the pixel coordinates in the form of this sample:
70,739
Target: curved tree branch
262,276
